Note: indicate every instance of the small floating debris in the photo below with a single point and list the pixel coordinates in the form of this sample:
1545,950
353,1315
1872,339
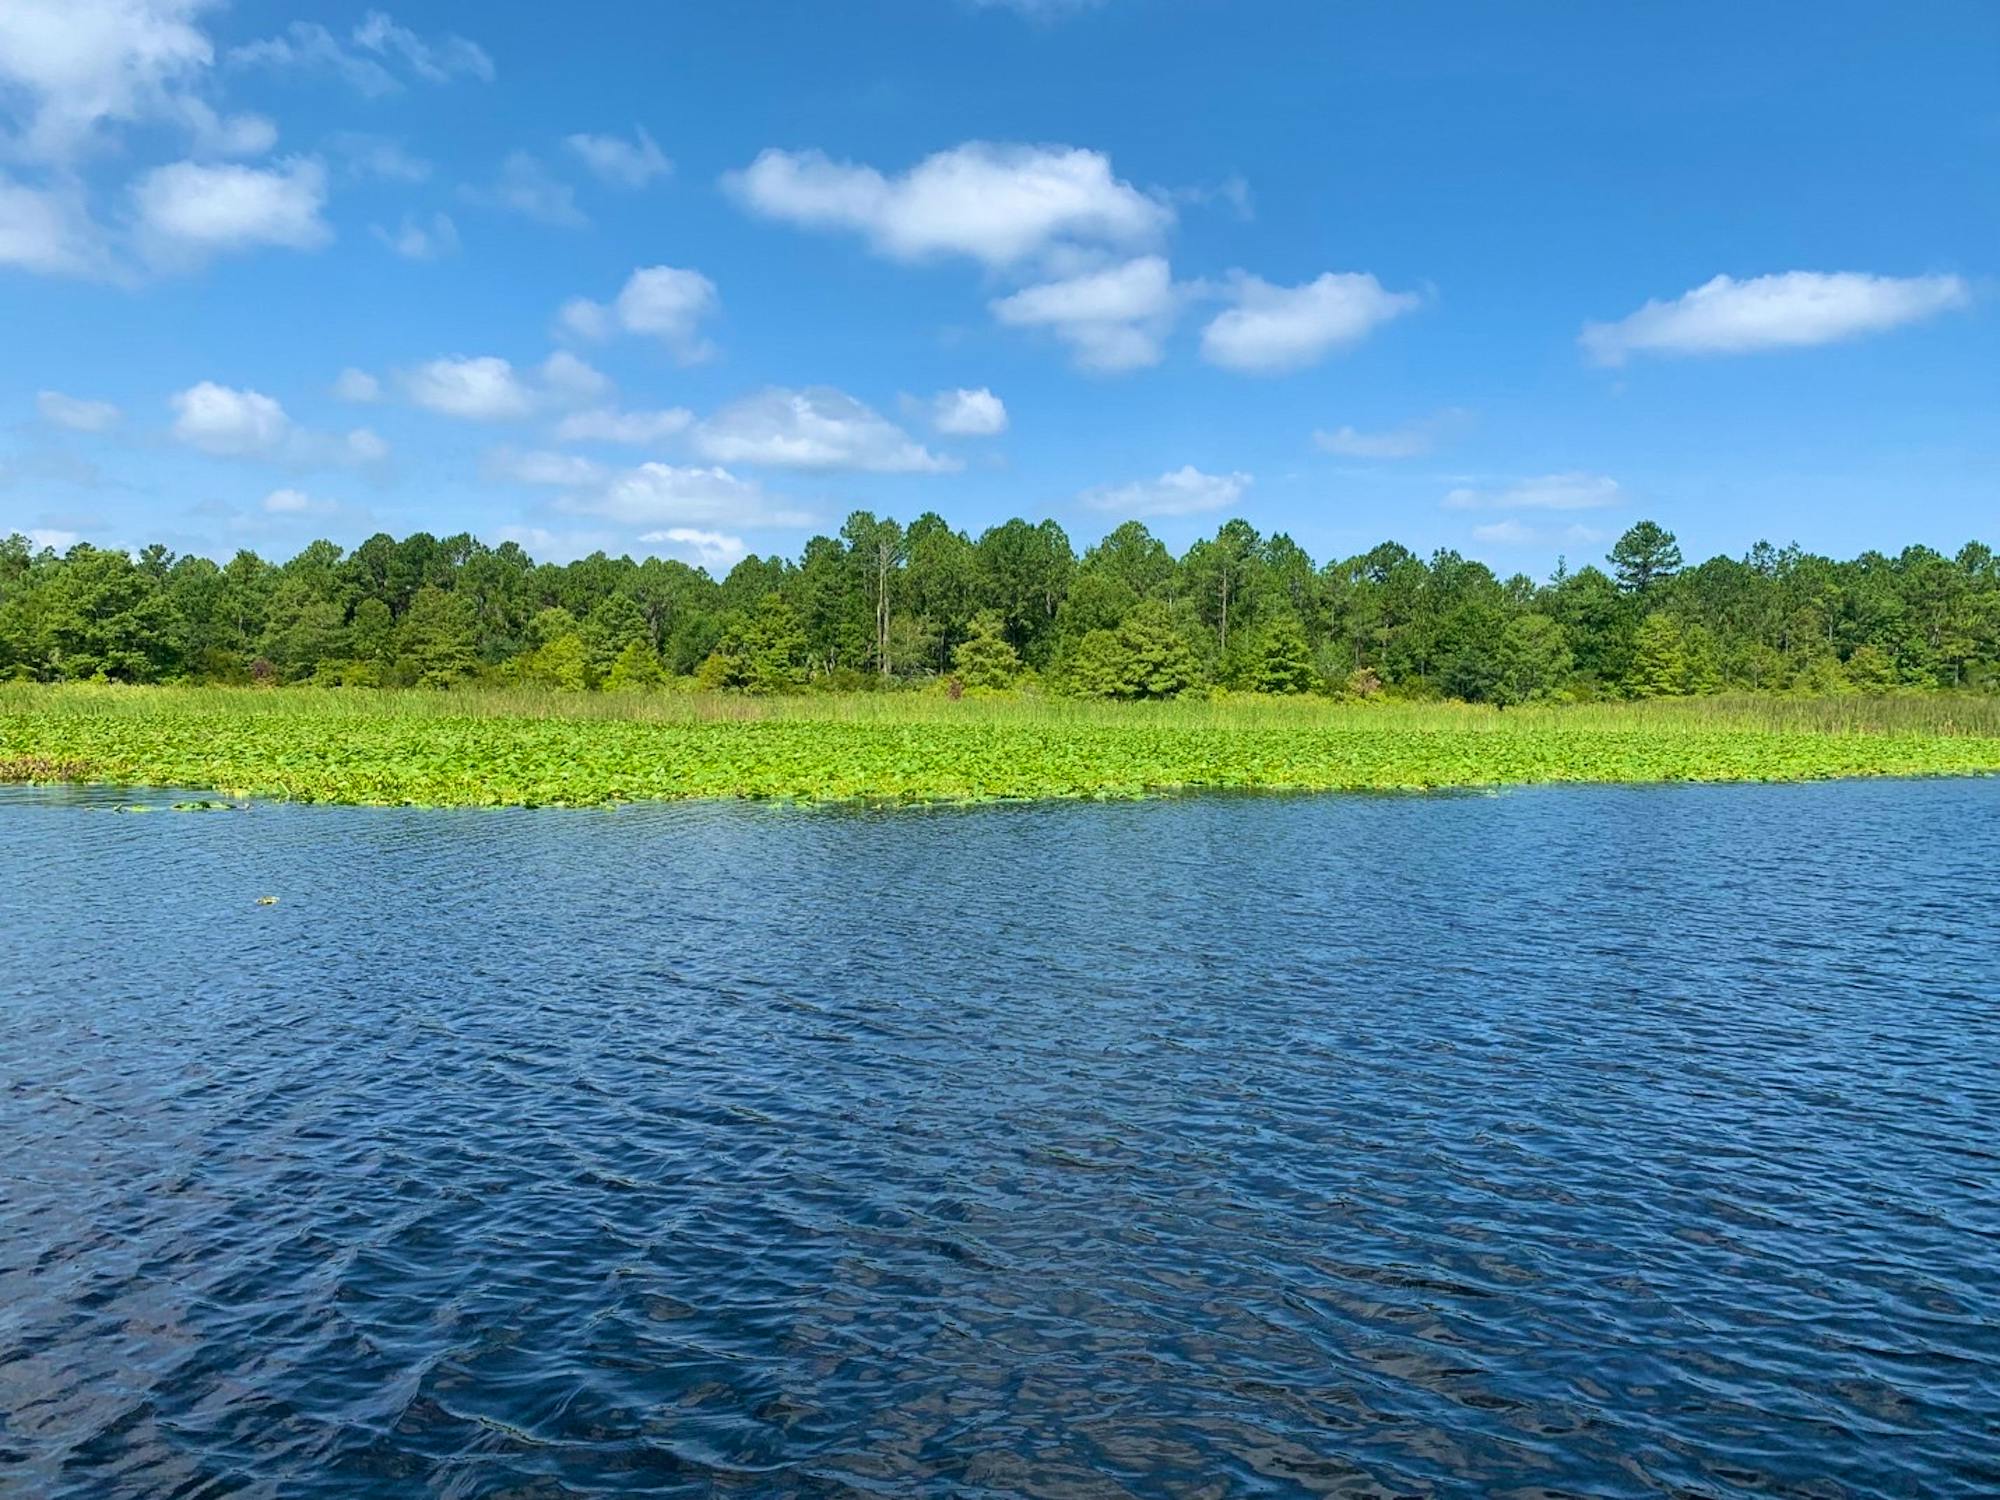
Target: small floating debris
208,804
267,900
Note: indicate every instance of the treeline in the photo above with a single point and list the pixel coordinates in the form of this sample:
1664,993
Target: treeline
882,605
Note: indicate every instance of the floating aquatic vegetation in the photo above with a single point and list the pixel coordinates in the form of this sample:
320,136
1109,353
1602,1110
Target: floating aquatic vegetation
459,750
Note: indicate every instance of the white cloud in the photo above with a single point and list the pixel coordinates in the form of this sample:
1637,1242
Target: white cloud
483,389
525,187
999,204
542,467
714,550
608,425
420,240
365,447
81,64
663,302
363,59
1112,319
1508,532
356,386
622,163
75,413
817,428
307,45
296,503
558,546
667,303
1788,311
1411,440
1180,492
1570,491
1273,329
191,208
968,413
378,158
230,423
49,230
582,318
54,539
489,389
448,57
571,381
664,495
225,422
226,135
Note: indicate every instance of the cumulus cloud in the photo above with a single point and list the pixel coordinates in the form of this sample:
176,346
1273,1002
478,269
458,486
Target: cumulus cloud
1411,440
487,388
998,204
663,302
356,386
818,428
527,188
229,423
1569,491
571,381
968,413
621,163
1179,492
1274,329
374,57
420,239
1508,532
714,550
1113,319
1788,311
606,424
665,495
482,389
226,422
80,65
191,208
75,413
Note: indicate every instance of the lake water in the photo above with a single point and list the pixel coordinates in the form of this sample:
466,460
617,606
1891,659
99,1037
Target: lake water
1574,1141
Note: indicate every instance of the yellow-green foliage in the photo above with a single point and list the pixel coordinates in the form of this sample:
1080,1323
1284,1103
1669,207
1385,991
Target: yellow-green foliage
530,747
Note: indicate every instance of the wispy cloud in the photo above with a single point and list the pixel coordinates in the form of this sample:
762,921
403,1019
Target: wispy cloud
1570,491
1793,310
1411,440
1185,491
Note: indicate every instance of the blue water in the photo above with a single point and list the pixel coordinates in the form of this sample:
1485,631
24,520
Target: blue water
1601,1142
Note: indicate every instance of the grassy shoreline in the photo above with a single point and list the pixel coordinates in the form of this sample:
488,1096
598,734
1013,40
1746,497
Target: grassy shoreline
538,749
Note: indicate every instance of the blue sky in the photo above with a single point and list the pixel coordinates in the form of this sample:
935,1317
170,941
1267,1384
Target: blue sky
699,279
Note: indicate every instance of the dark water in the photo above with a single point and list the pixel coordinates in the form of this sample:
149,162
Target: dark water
1569,1142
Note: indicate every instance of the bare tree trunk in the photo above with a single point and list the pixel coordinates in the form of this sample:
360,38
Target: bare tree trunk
882,608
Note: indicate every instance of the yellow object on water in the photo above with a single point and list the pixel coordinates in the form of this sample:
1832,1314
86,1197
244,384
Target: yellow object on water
267,900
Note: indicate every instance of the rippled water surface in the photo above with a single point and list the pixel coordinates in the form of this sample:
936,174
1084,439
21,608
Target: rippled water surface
1593,1142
